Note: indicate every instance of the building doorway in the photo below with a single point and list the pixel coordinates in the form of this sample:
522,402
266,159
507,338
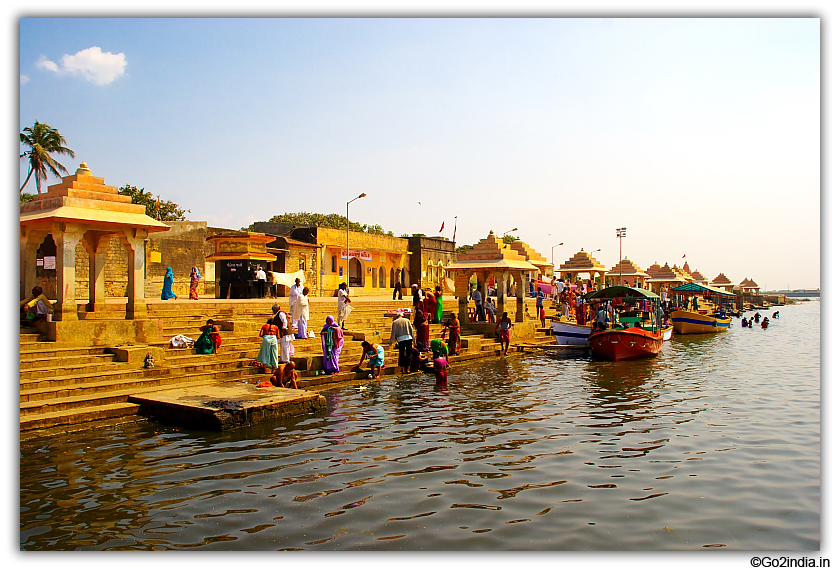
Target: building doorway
356,277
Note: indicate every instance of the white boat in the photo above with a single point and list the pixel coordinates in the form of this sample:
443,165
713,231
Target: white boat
569,332
666,333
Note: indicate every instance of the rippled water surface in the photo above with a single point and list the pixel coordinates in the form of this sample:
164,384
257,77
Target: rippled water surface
712,444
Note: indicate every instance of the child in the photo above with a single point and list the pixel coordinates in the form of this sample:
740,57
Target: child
503,327
542,316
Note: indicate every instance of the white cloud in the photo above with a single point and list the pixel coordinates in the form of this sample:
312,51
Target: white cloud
24,79
44,63
92,63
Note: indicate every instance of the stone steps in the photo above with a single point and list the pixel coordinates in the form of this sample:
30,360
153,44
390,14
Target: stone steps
50,364
78,415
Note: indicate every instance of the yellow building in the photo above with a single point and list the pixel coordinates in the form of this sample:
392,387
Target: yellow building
375,262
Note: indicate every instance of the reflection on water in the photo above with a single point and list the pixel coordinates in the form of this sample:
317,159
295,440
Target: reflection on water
712,444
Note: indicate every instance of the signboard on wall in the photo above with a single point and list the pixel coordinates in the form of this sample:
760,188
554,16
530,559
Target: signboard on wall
358,254
49,262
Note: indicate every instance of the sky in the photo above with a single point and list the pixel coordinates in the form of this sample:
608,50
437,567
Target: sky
701,136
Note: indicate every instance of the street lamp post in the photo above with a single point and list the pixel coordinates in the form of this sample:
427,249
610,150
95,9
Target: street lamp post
620,233
552,257
509,231
347,265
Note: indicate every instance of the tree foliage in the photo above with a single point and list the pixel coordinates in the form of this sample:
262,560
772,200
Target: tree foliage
42,141
162,210
508,238
26,197
335,221
463,248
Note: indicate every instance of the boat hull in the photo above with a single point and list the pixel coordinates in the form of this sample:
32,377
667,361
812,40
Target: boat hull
571,333
627,344
689,322
666,333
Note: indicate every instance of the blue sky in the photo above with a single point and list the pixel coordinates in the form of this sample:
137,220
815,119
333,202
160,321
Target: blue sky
701,136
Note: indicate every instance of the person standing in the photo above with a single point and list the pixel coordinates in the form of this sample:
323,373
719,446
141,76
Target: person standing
343,305
284,338
416,295
421,325
438,305
168,282
332,341
540,299
270,284
301,315
259,276
195,279
402,332
503,327
479,305
268,348
398,289
294,293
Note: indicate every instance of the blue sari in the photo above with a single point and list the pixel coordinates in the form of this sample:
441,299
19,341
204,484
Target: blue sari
168,281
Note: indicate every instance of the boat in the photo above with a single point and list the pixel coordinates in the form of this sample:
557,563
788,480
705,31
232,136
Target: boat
707,316
569,332
638,332
667,332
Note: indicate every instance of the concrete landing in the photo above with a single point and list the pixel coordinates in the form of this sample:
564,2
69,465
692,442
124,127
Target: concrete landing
226,406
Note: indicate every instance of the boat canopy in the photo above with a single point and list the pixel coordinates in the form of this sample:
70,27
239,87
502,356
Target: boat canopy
621,291
700,288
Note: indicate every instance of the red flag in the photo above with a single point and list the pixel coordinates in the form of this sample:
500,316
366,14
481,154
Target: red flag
441,226
683,256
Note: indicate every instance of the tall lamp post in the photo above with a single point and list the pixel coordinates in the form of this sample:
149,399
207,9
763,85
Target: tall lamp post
347,266
620,233
552,257
509,231
596,251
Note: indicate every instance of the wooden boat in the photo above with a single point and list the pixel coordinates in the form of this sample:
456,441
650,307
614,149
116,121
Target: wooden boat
707,317
637,334
569,332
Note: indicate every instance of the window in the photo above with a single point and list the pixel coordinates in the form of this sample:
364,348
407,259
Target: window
302,262
333,264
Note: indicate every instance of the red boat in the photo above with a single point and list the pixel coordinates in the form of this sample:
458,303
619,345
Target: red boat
625,344
637,333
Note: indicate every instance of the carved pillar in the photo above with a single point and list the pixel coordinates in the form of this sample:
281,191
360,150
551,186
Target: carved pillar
67,237
520,297
463,297
501,294
134,241
96,245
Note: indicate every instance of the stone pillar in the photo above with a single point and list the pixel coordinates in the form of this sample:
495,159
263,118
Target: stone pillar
463,301
96,245
134,241
520,298
501,294
67,237
30,241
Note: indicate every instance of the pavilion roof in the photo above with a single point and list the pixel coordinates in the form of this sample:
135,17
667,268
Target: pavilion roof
697,276
582,262
748,284
668,274
721,280
530,254
491,253
86,199
627,267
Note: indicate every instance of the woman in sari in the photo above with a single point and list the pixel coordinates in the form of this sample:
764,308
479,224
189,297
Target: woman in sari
332,340
430,307
440,362
210,339
168,281
268,349
421,326
438,305
195,278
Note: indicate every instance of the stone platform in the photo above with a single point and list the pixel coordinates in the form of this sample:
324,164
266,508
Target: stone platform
226,406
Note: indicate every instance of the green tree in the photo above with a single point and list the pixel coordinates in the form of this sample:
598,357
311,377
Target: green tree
26,197
335,221
42,140
162,210
508,238
463,248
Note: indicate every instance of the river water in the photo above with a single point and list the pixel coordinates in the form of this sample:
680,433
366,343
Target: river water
713,444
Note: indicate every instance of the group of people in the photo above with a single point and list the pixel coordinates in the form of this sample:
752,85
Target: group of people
169,280
748,322
35,308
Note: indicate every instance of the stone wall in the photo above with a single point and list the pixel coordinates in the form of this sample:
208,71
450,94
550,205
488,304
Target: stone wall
438,250
182,247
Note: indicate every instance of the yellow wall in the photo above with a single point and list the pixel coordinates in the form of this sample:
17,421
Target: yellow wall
387,253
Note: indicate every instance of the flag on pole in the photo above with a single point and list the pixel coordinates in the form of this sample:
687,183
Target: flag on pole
441,226
683,256
455,229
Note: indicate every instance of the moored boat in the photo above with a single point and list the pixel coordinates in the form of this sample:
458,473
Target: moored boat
569,332
707,316
638,332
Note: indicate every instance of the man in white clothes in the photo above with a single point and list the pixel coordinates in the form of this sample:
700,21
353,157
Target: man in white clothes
260,275
294,294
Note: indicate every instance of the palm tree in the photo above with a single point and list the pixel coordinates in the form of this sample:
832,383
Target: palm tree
42,141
